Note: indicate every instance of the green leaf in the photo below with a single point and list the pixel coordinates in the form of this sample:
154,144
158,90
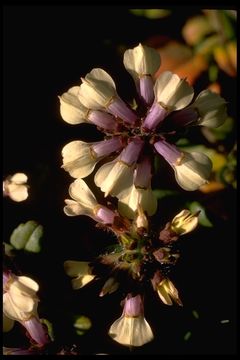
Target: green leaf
202,218
22,233
33,243
27,236
213,73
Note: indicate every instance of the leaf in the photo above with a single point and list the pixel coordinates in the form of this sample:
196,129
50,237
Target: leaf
202,218
22,233
49,327
33,244
27,236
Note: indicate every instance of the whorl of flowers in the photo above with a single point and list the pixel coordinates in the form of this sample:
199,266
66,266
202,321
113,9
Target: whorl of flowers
142,255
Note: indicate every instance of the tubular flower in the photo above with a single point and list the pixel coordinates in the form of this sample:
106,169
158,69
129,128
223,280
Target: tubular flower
20,304
16,187
132,329
135,134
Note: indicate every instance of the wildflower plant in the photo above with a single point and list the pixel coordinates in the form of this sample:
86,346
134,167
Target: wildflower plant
133,135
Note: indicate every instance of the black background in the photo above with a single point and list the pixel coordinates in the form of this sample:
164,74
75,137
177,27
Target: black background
46,51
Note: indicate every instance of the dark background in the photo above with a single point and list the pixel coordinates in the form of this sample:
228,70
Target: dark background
46,49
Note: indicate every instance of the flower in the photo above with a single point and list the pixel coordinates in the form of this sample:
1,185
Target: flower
85,203
132,329
20,304
135,136
14,186
82,272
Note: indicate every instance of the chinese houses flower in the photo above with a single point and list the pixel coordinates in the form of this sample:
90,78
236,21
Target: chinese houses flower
16,187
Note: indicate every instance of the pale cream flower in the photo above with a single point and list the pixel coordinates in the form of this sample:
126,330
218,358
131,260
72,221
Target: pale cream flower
81,271
132,329
16,187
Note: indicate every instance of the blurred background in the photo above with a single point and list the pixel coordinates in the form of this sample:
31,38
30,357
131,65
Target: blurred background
46,50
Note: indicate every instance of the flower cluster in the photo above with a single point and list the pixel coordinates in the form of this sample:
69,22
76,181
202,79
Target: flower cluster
135,135
142,256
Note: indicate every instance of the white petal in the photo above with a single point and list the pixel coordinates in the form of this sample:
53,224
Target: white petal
97,89
80,192
12,311
114,177
81,281
141,60
76,268
78,159
73,208
28,282
172,91
130,200
98,74
16,192
7,323
71,109
194,171
19,178
131,331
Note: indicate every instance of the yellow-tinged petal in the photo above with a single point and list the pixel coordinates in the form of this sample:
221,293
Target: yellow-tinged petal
76,268
7,323
81,281
131,331
184,222
28,282
172,92
78,159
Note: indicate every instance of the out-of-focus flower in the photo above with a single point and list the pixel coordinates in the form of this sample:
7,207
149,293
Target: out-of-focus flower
134,135
15,186
132,329
20,304
81,271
